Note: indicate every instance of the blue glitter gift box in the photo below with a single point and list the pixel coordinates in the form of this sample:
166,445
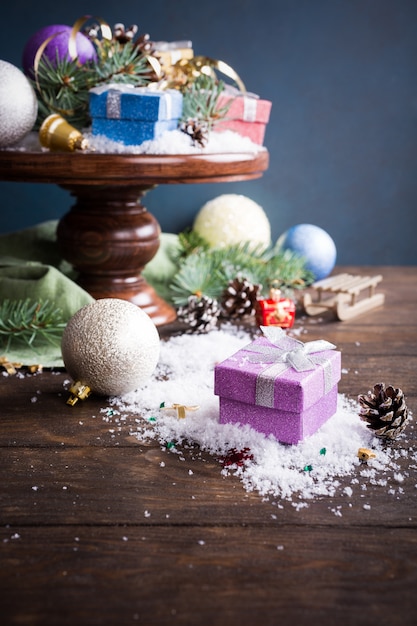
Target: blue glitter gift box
132,115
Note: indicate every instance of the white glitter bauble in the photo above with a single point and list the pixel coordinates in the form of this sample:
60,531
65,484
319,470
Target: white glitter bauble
232,219
18,105
111,345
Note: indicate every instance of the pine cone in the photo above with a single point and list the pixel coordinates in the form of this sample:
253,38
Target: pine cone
384,410
239,299
201,313
196,129
122,34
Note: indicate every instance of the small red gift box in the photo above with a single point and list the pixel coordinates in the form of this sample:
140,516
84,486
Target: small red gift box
248,115
275,311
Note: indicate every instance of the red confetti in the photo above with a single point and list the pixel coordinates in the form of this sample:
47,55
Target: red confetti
237,457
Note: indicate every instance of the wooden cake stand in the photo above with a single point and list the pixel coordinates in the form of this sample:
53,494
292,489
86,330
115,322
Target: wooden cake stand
108,235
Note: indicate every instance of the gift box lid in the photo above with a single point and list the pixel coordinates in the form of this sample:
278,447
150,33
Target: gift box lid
116,101
265,374
247,107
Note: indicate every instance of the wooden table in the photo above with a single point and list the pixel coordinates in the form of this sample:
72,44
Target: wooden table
108,235
77,547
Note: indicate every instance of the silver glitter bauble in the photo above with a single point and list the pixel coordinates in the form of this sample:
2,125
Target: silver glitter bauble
111,345
18,105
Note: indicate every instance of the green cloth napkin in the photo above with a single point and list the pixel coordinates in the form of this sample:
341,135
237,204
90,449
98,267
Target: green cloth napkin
32,267
37,243
160,271
39,282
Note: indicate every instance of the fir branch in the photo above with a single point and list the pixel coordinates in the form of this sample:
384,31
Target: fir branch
200,101
242,259
207,271
286,269
63,86
26,321
198,276
263,266
123,63
191,242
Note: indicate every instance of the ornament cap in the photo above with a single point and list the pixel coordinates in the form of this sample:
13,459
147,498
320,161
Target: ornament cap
275,294
78,391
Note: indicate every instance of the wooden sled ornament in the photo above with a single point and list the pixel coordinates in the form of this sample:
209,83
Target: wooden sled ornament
346,301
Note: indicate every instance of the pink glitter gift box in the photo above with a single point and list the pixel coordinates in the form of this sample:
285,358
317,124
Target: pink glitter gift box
279,385
248,115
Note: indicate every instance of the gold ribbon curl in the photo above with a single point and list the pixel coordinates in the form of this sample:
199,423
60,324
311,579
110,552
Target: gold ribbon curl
187,70
106,34
105,30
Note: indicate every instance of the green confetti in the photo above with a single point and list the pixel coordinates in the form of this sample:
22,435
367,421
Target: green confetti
323,451
308,468
170,444
152,419
161,406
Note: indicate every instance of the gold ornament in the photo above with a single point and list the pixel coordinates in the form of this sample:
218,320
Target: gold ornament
59,136
186,71
364,454
78,392
9,366
181,409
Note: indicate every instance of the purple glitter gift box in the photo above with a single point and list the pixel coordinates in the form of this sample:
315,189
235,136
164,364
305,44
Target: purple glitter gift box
279,385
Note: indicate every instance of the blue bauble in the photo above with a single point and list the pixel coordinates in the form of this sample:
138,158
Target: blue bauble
314,244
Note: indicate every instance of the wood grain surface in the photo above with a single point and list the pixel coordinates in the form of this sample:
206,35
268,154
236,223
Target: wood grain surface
93,531
96,169
108,236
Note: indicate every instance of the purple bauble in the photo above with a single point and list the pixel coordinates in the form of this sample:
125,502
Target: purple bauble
59,44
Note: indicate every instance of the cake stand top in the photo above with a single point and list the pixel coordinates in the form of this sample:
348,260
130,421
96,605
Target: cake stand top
94,168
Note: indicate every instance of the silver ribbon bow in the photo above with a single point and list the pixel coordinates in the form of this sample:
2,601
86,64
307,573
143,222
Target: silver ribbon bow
283,353
114,92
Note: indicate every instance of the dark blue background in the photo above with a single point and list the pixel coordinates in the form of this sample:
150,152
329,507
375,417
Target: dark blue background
342,75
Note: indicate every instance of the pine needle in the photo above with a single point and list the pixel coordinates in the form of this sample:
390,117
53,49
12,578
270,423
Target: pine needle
200,101
198,276
207,271
28,322
190,241
63,86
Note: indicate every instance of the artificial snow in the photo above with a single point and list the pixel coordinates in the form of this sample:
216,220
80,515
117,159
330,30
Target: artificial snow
170,142
312,468
177,142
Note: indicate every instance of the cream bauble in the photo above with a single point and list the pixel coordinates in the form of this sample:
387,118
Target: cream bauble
232,219
110,345
18,105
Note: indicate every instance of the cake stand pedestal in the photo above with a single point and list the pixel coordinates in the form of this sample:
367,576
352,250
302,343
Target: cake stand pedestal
108,235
